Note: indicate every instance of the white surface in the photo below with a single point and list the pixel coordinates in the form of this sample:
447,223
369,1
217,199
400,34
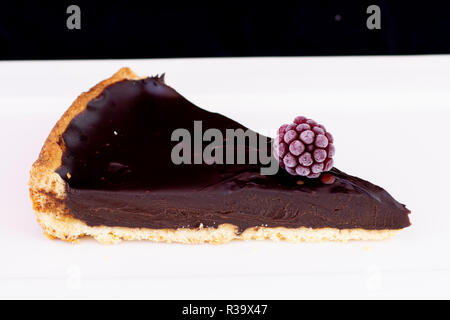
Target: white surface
389,116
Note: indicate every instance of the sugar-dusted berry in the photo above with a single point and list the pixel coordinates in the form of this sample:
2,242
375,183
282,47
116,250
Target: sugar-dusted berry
304,148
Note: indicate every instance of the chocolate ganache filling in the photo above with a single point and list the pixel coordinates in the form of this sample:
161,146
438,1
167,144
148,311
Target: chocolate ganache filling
119,172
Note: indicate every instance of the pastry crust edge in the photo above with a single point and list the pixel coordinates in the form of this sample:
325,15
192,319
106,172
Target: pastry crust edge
71,229
43,177
48,190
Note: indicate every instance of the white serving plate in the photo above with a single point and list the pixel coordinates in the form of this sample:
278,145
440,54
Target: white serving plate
390,119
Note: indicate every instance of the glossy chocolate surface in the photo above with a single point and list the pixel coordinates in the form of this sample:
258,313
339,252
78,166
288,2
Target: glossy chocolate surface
118,156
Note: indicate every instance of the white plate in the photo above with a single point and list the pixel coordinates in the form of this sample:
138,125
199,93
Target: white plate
389,116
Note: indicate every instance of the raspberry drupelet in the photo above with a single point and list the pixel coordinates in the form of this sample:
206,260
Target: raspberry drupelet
304,148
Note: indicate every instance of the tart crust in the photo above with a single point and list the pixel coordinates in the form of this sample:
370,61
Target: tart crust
48,191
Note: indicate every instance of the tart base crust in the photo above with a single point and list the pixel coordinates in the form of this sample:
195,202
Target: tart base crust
70,229
48,191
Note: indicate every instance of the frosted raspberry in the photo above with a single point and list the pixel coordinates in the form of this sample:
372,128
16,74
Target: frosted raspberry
328,165
290,171
280,149
330,150
291,126
321,141
290,160
296,148
306,159
302,127
300,119
290,136
304,148
319,155
318,130
282,129
307,136
317,167
302,171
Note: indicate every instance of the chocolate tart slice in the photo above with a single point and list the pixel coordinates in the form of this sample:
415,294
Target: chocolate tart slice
106,171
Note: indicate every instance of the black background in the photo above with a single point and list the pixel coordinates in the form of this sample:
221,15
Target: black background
158,29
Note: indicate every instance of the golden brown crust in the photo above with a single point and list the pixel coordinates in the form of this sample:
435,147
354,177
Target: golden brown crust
48,191
43,178
70,229
50,156
43,173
